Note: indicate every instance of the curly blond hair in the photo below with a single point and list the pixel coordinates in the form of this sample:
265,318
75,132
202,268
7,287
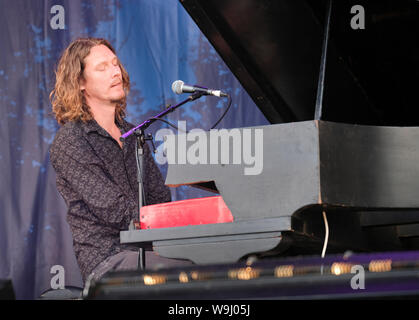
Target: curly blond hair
67,99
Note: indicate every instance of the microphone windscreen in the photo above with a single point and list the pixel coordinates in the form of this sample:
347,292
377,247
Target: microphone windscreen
177,86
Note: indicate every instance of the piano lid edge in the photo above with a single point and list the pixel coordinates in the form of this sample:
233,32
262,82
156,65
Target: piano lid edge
220,42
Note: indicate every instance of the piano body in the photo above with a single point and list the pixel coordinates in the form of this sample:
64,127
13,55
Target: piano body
343,139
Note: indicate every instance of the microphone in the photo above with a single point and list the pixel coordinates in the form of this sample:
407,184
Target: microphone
180,87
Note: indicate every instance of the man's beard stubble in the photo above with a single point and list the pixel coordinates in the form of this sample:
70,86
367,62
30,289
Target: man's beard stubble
120,100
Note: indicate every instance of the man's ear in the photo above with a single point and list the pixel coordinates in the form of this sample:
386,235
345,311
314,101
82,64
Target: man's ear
82,84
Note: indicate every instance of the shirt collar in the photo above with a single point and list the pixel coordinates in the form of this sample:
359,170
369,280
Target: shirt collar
92,125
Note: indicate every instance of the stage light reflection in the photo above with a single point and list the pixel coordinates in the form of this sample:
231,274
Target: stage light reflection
380,265
150,280
183,277
244,273
285,271
339,268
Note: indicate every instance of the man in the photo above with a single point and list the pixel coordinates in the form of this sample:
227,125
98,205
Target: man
96,172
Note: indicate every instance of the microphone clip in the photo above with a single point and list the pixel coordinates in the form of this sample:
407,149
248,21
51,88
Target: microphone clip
150,138
196,95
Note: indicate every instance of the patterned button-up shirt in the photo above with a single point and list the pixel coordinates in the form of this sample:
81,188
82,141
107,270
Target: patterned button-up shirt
98,181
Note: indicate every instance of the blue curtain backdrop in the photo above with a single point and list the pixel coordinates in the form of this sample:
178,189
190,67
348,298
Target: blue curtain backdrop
158,43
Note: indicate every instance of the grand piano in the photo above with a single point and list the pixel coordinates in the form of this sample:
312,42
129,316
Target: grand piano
341,155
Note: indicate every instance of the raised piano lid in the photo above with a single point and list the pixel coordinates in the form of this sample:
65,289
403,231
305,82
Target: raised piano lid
274,49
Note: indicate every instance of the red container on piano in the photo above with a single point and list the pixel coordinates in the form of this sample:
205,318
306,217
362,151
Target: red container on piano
185,212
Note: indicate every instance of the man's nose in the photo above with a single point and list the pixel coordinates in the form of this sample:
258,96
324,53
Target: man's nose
116,71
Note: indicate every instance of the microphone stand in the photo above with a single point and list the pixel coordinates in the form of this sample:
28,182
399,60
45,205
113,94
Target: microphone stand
139,133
